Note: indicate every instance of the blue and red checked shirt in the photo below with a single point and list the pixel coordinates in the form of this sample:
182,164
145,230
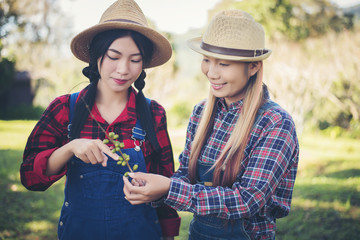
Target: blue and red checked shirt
264,186
50,133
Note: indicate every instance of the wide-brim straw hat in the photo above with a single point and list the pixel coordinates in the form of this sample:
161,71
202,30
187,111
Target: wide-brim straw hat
232,35
123,14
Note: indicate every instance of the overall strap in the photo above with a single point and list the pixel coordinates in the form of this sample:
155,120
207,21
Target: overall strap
138,133
73,98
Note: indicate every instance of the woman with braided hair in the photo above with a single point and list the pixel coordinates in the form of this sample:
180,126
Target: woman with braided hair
67,140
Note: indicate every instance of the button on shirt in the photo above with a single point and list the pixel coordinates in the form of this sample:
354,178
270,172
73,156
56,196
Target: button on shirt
264,186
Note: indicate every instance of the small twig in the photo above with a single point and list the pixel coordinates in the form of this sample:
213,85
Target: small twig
103,130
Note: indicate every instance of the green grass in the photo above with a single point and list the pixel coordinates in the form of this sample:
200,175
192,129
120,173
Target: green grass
326,200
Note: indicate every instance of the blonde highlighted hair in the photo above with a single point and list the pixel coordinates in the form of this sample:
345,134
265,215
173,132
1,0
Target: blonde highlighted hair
227,166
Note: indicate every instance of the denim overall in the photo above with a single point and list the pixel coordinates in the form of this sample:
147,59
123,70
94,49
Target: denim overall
95,207
210,227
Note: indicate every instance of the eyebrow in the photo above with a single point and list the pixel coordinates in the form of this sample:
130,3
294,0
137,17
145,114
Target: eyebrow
117,52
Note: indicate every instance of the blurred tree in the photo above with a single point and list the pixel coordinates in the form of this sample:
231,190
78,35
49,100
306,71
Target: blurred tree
7,72
33,33
295,20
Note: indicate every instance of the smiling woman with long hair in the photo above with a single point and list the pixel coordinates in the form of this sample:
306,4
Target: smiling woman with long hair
238,168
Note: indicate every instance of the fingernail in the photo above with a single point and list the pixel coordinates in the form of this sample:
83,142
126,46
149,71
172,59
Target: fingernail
131,174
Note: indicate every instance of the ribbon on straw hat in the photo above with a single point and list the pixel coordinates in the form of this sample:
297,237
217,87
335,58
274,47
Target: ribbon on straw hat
232,35
123,14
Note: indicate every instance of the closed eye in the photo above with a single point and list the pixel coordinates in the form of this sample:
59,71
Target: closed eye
136,61
112,55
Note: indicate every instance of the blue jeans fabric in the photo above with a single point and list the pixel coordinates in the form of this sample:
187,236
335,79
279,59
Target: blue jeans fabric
211,227
95,207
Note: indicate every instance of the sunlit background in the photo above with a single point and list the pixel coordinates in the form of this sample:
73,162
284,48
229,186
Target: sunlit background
313,72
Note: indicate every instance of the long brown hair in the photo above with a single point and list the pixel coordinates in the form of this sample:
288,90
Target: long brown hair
227,166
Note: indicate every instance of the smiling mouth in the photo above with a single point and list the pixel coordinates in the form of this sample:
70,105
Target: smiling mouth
120,81
217,86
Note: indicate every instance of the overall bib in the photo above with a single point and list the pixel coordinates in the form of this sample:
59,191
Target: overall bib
210,227
95,207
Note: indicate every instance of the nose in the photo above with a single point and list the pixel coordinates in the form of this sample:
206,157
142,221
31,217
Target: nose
212,72
122,67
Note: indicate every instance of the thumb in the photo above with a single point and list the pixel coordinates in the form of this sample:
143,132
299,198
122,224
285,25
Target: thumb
138,175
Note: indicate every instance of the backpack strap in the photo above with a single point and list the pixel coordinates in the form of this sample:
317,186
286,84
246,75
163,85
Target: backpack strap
72,102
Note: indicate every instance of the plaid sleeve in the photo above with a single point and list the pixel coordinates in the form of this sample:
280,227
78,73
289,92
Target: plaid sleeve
269,164
49,133
163,163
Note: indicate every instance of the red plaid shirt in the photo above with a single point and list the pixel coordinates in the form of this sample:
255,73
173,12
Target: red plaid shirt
50,133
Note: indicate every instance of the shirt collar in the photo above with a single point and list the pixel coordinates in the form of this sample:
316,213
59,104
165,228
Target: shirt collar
127,115
233,106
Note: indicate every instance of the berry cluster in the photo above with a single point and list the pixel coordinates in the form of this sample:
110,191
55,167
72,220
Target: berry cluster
123,158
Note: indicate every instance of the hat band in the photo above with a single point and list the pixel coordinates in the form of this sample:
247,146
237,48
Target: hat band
233,51
123,20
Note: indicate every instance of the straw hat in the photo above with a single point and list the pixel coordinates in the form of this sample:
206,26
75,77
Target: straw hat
232,35
123,14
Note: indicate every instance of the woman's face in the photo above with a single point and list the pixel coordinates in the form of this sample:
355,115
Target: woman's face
121,66
228,79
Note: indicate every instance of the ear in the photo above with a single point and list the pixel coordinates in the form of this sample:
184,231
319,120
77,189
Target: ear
254,67
99,64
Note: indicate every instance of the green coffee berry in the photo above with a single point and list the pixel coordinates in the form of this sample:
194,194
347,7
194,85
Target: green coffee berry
123,158
126,157
126,174
135,167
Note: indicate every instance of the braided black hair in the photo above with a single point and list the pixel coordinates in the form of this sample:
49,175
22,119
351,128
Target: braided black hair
98,48
143,110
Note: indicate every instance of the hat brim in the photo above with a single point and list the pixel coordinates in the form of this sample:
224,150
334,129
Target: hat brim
195,43
162,49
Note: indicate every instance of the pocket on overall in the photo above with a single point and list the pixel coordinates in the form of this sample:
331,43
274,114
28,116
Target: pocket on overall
211,228
102,184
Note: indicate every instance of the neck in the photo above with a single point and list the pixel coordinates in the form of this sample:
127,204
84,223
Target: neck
105,96
111,104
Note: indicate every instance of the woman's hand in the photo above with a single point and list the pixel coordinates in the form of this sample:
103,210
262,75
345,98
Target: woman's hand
92,151
88,150
152,188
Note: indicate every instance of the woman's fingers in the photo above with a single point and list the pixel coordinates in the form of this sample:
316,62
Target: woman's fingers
155,186
93,151
104,163
133,193
105,149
